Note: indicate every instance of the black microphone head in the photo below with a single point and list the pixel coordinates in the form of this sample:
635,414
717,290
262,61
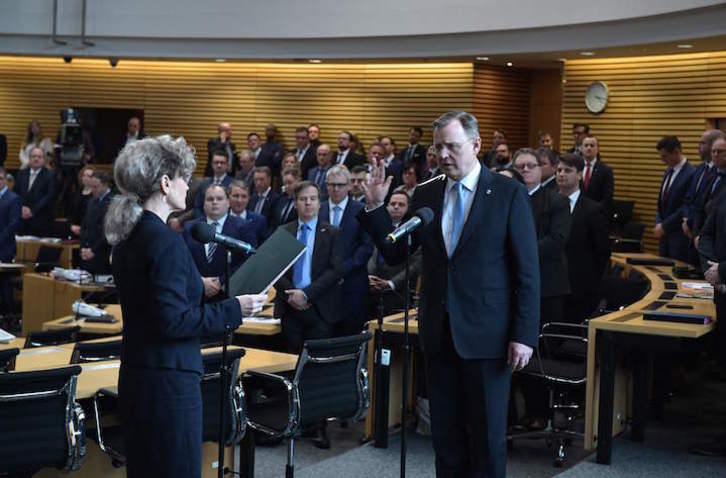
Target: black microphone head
425,214
203,232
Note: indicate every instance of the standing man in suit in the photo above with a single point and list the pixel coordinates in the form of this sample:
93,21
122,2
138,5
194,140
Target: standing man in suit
304,151
222,142
283,211
588,247
239,198
134,132
3,149
579,132
552,221
414,153
597,179
10,207
345,155
432,164
314,135
472,337
317,174
668,227
714,188
394,165
219,176
547,158
95,250
36,187
271,152
264,197
358,176
340,211
211,258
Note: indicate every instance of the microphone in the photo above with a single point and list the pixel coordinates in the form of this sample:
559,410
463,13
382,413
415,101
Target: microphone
423,216
205,233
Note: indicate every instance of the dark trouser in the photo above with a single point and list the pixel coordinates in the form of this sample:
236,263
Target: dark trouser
469,402
720,333
301,325
161,420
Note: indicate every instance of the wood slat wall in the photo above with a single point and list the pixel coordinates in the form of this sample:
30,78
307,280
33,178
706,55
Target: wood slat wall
649,97
191,98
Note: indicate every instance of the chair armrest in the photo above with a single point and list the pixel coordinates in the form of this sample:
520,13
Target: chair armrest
293,406
100,395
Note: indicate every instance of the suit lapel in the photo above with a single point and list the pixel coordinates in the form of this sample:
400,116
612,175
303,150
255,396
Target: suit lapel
321,237
478,210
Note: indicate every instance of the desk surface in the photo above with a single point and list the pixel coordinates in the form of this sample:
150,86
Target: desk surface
394,322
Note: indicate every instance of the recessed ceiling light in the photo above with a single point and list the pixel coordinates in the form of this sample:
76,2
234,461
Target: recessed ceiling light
315,60
685,45
509,63
482,58
220,60
587,53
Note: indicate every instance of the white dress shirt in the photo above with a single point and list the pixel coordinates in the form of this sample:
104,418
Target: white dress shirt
573,199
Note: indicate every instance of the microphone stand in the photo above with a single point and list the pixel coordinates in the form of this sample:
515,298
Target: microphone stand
406,351
224,373
382,366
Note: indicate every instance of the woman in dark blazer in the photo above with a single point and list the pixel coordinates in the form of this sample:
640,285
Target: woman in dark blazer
161,290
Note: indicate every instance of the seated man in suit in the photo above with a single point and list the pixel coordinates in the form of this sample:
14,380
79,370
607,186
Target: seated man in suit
9,223
283,211
317,174
346,155
668,227
588,247
36,187
95,250
340,211
219,176
387,283
263,196
239,197
210,258
597,179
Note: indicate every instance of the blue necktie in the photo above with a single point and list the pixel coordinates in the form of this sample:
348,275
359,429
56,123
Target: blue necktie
336,216
299,267
458,222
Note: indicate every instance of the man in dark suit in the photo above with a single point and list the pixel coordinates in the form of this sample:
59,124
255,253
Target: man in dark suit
210,258
10,207
134,131
669,214
271,152
552,221
263,197
713,188
394,165
579,132
304,151
223,142
95,250
314,135
246,170
597,179
432,165
219,176
3,149
317,174
414,153
283,211
36,187
345,155
340,211
358,177
239,197
479,309
547,158
588,247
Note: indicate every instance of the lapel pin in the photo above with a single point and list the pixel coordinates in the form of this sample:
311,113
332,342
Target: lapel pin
489,191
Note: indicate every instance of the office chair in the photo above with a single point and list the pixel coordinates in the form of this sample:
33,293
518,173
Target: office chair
108,433
42,425
329,381
7,359
560,364
43,338
48,257
84,352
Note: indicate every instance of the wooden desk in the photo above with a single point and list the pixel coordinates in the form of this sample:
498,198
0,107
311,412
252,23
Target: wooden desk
45,299
27,251
607,404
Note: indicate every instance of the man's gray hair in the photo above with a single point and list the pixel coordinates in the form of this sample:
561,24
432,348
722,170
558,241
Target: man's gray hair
338,170
467,120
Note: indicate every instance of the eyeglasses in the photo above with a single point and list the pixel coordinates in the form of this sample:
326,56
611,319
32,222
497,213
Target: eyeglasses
336,185
522,167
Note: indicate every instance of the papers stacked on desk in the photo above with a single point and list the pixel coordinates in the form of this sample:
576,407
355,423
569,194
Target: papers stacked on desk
5,337
72,275
696,290
260,320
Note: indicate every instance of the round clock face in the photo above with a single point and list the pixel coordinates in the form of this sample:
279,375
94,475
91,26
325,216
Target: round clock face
596,98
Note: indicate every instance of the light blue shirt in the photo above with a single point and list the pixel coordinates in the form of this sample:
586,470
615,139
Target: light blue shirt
307,256
470,183
331,208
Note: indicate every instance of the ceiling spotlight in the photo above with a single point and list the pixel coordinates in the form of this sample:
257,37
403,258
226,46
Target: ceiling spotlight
509,63
587,53
315,60
685,45
482,58
67,59
113,61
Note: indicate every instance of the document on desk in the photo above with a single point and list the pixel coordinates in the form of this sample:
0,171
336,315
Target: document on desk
696,290
260,320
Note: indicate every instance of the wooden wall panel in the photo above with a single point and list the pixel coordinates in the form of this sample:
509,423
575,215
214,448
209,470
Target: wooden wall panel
191,98
649,97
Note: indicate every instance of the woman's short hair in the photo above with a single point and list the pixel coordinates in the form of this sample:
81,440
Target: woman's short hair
137,172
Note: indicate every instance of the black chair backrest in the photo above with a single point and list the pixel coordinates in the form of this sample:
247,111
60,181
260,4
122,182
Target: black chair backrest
38,420
48,255
42,338
328,378
234,423
96,351
621,212
7,359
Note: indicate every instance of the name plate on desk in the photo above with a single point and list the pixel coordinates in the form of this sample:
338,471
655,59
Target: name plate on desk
677,317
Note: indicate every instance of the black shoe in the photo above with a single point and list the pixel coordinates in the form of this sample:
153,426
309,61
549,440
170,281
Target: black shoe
321,440
713,448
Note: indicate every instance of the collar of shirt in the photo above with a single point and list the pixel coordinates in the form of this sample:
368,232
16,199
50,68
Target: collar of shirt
220,222
33,172
709,165
469,181
590,163
344,154
102,196
548,180
267,191
301,152
342,204
573,199
678,166
388,160
312,223
2,191
535,189
219,179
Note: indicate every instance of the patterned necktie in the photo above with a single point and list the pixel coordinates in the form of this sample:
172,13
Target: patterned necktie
299,267
458,221
31,179
336,216
212,245
666,186
286,212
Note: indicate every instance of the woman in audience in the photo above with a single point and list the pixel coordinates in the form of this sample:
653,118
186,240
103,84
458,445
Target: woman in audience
160,290
34,137
80,201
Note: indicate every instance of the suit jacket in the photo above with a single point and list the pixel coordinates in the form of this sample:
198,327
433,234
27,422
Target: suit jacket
266,207
712,245
588,247
308,161
671,212
708,200
489,288
161,291
257,225
3,149
358,249
92,236
233,227
601,186
351,159
313,174
697,188
427,174
270,156
216,143
326,271
10,208
418,158
394,300
202,190
551,185
39,199
276,215
552,220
